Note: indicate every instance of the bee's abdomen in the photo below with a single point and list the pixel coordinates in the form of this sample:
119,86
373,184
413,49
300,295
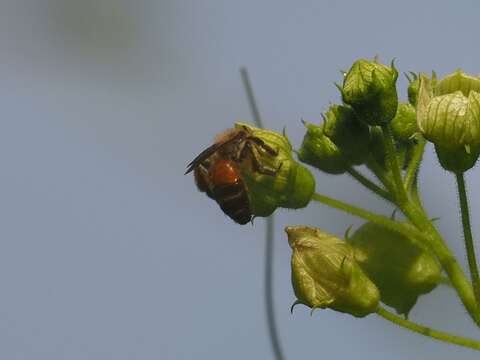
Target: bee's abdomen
233,200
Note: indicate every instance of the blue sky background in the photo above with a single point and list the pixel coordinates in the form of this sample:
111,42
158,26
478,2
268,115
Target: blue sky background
108,251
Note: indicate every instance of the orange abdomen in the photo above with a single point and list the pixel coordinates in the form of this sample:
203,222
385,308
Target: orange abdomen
224,172
229,191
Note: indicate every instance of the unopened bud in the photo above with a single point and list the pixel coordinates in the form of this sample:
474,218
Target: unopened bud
275,180
326,275
400,268
321,152
370,89
404,124
452,123
348,133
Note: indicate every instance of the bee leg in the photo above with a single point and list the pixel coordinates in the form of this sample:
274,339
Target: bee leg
241,152
257,164
264,146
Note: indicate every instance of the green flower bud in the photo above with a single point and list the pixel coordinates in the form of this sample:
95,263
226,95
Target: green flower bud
452,123
321,152
326,275
458,81
404,124
288,185
370,89
400,268
351,136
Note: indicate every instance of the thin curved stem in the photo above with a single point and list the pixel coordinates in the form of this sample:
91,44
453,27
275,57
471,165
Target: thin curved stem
369,184
269,305
432,240
426,331
367,215
444,255
430,237
251,97
415,195
414,164
269,236
467,232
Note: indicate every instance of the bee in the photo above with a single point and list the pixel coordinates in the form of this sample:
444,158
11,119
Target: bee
217,173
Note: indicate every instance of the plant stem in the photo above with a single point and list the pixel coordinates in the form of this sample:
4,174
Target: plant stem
379,172
369,184
414,164
392,162
416,195
269,305
251,97
445,257
271,321
432,239
467,232
367,215
435,334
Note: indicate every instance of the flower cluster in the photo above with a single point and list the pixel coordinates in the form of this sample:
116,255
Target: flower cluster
385,261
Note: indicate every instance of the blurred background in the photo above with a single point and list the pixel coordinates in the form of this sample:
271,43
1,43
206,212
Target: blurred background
107,251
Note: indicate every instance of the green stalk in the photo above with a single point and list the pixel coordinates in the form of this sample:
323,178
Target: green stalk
369,184
269,235
392,162
435,334
379,172
414,164
467,232
433,239
445,257
367,215
415,195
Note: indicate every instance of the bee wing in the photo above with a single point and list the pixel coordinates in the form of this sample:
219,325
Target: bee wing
205,154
